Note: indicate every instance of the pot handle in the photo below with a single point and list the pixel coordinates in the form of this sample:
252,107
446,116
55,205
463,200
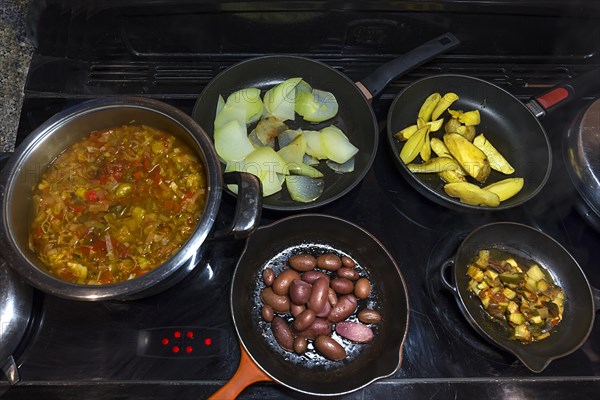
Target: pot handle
449,285
564,93
373,85
248,207
247,374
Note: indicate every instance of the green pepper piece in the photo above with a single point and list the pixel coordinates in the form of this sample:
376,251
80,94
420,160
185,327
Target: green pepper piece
511,278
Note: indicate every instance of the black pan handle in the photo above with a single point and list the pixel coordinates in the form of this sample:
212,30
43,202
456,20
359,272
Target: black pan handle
565,92
382,76
248,207
443,275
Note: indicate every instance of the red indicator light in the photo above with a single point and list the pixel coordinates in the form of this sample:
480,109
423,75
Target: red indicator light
177,334
189,349
190,334
165,341
208,341
176,349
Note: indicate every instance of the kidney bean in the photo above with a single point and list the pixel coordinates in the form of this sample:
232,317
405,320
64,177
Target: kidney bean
268,276
302,262
297,309
281,284
348,262
362,288
312,276
318,295
319,327
300,344
345,306
324,313
369,317
332,297
279,303
342,285
304,320
282,332
329,261
300,291
329,348
267,312
354,331
348,273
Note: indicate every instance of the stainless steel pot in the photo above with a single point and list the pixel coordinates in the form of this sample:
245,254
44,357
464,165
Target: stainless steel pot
16,299
31,158
582,159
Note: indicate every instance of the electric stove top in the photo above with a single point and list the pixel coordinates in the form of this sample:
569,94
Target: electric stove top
182,343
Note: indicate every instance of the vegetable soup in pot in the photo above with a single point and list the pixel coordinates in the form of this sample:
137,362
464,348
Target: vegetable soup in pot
116,204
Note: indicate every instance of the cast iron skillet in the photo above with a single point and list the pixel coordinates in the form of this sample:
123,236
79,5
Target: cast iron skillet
581,300
262,358
355,116
510,125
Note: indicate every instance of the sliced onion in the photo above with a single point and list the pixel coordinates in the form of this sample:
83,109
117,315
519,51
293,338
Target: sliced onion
336,145
269,128
249,100
287,136
230,113
317,106
344,168
220,104
231,141
304,169
253,137
294,152
314,147
303,188
265,159
310,160
279,100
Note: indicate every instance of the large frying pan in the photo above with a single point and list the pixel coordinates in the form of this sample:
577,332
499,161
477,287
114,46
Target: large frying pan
581,300
263,360
512,126
355,116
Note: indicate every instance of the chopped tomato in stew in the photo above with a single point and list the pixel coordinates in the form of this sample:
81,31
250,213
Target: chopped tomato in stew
117,204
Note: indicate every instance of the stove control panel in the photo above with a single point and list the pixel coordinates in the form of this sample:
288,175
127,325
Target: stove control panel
184,342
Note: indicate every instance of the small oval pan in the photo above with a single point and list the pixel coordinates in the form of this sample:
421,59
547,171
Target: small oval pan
529,243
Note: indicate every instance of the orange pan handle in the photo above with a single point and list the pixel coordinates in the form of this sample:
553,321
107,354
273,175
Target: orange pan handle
247,374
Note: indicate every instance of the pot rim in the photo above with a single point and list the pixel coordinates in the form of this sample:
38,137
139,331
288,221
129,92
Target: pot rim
185,256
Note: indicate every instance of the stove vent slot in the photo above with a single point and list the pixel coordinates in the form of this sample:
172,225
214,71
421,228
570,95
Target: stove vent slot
183,74
110,74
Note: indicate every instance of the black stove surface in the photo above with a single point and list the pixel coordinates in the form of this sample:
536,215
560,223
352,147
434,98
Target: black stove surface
182,343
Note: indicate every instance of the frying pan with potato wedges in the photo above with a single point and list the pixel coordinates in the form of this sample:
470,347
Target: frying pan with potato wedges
511,126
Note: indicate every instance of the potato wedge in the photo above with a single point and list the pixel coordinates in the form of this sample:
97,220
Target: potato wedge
452,176
506,188
472,194
428,106
437,164
406,133
473,160
497,160
442,105
413,145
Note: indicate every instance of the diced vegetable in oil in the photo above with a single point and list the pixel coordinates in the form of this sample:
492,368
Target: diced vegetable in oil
529,302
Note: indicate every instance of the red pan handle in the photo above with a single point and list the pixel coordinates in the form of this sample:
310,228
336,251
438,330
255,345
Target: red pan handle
565,92
247,374
373,85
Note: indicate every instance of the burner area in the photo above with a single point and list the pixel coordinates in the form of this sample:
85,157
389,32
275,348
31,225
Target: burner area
182,343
